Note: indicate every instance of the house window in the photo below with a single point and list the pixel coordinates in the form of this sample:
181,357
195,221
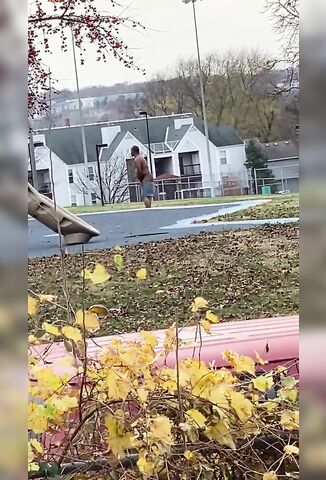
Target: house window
225,178
91,173
73,201
94,200
223,158
71,176
189,164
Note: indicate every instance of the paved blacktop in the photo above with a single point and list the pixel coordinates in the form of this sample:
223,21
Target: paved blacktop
139,226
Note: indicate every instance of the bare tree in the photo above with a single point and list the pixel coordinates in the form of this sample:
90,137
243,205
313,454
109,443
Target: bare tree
285,16
114,178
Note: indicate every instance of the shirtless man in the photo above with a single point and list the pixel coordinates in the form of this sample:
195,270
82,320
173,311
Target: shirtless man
144,176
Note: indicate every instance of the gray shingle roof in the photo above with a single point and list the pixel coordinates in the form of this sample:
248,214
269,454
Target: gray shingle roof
221,136
279,150
67,144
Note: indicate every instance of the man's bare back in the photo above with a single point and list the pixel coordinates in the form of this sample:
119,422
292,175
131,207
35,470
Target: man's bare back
144,176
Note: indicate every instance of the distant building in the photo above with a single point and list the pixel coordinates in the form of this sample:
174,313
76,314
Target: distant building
283,162
179,157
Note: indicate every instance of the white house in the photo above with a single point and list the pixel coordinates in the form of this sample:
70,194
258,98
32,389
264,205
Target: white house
178,151
52,173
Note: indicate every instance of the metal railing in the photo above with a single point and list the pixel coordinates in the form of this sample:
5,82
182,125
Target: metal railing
163,147
189,187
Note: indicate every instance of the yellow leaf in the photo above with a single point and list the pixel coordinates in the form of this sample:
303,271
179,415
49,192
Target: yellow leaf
32,306
199,304
240,363
118,260
197,417
48,298
146,467
51,329
37,419
36,445
161,430
211,317
98,276
33,467
270,476
87,319
118,439
286,394
259,360
290,420
291,450
220,432
118,385
142,394
99,310
33,340
206,325
149,339
263,383
72,333
242,406
142,274
64,404
189,455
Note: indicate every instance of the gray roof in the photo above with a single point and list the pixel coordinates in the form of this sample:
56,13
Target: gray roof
67,144
284,149
221,136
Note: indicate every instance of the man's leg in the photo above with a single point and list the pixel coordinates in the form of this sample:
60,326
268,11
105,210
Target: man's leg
148,202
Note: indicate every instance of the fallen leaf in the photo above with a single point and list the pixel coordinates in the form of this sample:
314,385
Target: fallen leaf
98,276
48,298
142,274
99,310
32,306
118,261
88,320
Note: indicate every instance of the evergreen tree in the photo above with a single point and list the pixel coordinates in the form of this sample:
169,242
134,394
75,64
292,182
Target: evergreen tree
257,160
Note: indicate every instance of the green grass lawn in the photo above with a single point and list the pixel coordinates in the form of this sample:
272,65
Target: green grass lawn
243,274
279,207
168,203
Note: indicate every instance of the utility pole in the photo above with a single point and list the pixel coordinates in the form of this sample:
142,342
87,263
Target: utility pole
202,92
145,114
98,150
82,130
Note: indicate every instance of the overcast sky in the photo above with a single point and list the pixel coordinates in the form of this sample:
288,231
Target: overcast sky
222,24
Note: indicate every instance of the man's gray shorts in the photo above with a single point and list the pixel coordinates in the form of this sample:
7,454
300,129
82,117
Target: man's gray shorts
147,190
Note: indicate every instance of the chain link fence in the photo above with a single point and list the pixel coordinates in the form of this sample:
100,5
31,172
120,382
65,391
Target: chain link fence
275,179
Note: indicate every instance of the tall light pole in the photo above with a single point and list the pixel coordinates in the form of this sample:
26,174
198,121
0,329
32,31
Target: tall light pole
145,114
82,130
98,150
202,92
